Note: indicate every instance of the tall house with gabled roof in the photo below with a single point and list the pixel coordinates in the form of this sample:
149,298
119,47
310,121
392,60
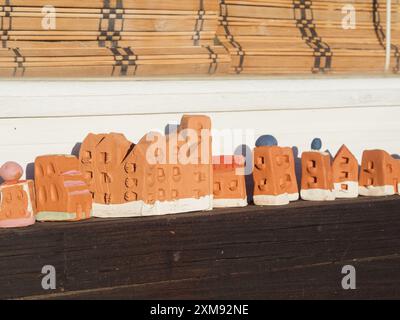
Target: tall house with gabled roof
345,174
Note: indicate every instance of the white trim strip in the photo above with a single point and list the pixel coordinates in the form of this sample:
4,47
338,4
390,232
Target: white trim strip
57,99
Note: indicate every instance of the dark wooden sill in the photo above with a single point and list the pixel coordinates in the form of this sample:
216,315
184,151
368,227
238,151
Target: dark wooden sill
294,252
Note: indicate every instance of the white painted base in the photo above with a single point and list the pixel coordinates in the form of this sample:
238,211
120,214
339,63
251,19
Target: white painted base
372,191
317,195
269,200
351,192
279,200
229,203
140,208
294,196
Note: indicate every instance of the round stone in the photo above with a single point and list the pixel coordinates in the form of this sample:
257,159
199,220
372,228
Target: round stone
266,141
316,144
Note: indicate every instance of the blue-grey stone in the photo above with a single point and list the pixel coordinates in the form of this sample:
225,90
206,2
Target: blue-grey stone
316,144
266,141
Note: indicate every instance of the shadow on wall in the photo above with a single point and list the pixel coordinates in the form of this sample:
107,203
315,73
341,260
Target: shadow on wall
76,149
30,171
171,128
245,151
297,165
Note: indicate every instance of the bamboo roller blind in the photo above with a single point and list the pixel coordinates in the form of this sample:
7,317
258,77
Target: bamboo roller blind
98,38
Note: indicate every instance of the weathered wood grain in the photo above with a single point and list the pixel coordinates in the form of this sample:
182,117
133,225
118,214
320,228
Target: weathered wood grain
296,251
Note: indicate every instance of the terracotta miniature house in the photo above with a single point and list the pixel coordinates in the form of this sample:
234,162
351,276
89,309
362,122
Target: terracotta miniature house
17,198
380,174
159,175
62,193
345,174
274,174
229,182
317,175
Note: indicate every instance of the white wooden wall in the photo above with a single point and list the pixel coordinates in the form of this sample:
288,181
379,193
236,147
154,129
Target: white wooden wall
47,117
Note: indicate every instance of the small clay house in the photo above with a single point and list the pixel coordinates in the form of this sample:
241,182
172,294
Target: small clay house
17,198
317,174
345,174
159,175
229,182
62,194
380,174
274,174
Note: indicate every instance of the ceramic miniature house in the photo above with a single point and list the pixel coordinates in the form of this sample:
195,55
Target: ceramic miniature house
379,175
229,182
159,175
17,198
317,176
62,193
345,174
274,175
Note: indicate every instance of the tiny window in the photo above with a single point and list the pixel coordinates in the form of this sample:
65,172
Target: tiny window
106,177
87,157
50,169
161,173
130,167
106,157
107,198
312,164
217,186
176,171
312,179
262,184
344,175
345,160
9,198
233,185
89,175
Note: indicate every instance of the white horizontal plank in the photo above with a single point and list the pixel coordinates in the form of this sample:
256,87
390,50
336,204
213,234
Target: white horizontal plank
21,99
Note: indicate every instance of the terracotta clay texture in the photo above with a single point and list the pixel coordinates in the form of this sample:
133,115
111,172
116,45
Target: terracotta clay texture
229,182
345,174
149,178
62,193
379,175
317,177
274,176
17,198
